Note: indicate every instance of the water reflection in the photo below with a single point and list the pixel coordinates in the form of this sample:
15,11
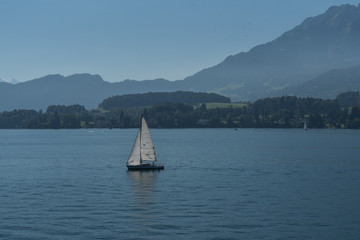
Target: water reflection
143,186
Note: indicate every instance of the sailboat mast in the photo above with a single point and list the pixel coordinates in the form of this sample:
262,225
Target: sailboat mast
140,136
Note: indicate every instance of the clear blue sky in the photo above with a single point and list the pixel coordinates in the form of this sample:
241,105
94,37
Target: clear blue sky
138,39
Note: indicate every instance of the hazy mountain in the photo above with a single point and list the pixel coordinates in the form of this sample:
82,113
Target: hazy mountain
306,53
14,81
319,44
329,84
53,89
84,89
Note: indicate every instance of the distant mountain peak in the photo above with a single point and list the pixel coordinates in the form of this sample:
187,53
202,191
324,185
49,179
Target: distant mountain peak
320,43
74,77
341,8
12,81
341,15
337,20
85,77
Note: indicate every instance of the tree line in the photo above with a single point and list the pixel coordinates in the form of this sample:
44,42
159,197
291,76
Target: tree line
278,112
152,98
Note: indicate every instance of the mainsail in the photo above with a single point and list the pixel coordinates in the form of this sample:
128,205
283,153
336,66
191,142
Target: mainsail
143,148
147,145
134,158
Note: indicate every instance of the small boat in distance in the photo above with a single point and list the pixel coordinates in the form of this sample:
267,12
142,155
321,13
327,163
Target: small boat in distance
305,126
142,156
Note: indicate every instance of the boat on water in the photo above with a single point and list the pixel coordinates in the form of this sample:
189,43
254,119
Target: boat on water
305,126
142,155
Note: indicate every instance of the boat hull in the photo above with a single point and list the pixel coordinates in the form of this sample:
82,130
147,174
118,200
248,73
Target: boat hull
145,167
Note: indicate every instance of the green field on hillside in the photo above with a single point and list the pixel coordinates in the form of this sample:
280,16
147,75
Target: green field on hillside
225,105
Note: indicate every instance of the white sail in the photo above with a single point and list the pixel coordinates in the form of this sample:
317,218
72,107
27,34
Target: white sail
147,146
134,158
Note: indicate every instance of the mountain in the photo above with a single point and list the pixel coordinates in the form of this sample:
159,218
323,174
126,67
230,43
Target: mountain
14,81
311,58
51,90
317,45
328,85
84,89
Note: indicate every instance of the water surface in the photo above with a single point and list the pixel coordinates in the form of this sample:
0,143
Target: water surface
217,184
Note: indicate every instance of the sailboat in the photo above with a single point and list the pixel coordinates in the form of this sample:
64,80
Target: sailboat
142,155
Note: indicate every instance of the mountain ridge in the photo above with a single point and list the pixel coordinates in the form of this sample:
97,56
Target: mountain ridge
296,56
316,46
85,89
327,84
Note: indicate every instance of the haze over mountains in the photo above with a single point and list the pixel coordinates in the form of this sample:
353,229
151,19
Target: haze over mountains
317,45
84,89
318,58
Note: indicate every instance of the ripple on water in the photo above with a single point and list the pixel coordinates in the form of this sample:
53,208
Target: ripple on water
217,184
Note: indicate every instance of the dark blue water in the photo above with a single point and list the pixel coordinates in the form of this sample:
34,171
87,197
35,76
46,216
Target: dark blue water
217,184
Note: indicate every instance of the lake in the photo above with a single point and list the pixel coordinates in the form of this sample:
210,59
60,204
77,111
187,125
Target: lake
217,184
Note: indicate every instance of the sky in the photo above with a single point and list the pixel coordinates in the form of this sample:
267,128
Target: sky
139,39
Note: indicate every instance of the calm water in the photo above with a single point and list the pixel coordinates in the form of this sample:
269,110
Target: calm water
217,184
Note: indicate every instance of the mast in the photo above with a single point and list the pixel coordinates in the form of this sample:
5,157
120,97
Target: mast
140,130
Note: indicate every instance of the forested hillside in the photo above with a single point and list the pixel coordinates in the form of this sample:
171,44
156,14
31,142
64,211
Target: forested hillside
149,99
349,99
280,112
